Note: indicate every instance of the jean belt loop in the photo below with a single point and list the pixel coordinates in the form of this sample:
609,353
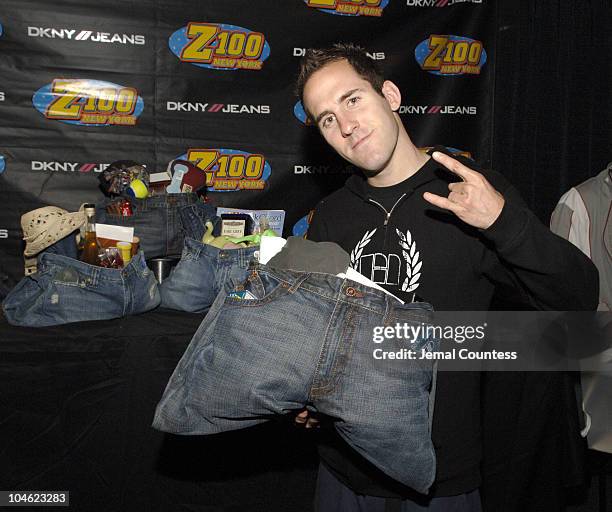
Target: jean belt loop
245,257
254,266
343,287
220,256
95,276
125,271
135,269
128,304
388,306
201,249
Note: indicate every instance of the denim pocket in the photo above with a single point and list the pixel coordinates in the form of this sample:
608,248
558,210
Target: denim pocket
259,288
151,227
69,276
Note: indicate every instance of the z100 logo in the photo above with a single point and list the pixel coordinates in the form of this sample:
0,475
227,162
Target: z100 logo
450,55
88,102
230,169
301,226
350,7
219,46
300,114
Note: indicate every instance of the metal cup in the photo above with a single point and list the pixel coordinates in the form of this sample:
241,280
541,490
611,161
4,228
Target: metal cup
161,267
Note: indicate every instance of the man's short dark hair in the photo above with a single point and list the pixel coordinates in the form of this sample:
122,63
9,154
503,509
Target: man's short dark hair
316,58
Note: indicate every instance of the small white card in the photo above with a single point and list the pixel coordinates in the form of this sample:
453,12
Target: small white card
120,233
233,227
269,246
159,176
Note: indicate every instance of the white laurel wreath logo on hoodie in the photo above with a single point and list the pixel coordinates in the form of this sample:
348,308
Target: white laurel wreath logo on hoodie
409,252
356,252
413,263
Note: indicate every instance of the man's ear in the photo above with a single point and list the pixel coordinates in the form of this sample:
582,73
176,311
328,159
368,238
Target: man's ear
392,94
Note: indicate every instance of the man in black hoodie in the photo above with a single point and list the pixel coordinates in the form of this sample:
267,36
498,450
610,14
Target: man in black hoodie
426,226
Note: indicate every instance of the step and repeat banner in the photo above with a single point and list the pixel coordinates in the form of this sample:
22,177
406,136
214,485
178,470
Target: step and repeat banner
83,84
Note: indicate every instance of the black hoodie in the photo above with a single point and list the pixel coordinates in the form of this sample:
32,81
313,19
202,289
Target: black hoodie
416,250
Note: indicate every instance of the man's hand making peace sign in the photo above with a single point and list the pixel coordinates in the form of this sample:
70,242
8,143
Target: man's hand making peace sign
473,200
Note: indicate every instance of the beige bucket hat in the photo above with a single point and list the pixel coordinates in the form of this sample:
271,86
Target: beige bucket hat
45,226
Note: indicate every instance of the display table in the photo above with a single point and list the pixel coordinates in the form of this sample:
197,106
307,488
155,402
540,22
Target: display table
76,405
77,401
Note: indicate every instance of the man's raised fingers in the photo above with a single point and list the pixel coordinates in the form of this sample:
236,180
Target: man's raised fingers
442,202
464,172
457,186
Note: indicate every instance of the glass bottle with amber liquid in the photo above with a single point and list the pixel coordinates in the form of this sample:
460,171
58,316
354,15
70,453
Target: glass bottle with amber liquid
91,248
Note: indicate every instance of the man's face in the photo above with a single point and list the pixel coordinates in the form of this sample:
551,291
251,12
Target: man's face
353,118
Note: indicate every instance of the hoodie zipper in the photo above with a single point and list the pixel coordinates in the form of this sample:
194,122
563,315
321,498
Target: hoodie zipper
387,214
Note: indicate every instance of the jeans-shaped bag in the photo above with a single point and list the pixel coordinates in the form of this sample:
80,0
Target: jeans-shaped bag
65,290
156,221
194,217
202,273
290,339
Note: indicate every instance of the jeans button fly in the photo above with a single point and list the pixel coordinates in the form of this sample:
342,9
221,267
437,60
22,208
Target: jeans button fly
353,292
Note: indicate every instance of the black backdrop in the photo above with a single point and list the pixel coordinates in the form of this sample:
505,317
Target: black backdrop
544,119
552,96
536,106
71,73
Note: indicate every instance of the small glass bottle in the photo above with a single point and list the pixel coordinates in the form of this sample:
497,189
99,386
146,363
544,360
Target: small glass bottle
91,248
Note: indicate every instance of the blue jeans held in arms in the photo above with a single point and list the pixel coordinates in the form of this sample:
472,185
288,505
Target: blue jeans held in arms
156,221
301,338
65,290
203,272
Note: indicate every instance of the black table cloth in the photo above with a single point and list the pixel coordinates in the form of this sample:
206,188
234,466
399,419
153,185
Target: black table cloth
76,404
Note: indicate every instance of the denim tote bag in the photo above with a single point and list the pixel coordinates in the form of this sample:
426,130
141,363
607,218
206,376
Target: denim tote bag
156,221
202,273
194,217
65,290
